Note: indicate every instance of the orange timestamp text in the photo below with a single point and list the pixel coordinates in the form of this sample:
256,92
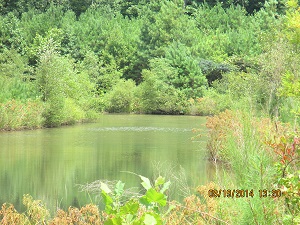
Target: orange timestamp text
241,193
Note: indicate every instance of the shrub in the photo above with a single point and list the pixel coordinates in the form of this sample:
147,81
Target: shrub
202,106
88,214
157,97
54,114
289,91
142,209
9,215
103,72
120,98
219,128
15,77
72,112
286,146
36,210
33,117
211,104
63,88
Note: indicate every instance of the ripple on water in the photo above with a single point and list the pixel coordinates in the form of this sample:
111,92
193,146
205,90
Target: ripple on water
141,129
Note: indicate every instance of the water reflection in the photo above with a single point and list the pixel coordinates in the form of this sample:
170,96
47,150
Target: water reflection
49,163
141,129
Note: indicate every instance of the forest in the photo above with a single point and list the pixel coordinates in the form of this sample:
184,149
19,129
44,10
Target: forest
66,61
237,62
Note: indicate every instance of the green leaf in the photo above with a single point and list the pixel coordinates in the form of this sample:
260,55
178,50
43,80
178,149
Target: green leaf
113,221
105,188
146,182
157,197
129,218
149,220
159,181
156,209
119,188
157,218
107,201
130,207
144,200
165,186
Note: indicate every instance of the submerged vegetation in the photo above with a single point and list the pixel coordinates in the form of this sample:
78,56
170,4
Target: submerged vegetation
238,62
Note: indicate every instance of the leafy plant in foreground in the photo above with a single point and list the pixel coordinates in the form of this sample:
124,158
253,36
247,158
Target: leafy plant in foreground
145,209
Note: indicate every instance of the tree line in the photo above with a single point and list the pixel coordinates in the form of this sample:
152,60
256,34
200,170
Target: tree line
77,58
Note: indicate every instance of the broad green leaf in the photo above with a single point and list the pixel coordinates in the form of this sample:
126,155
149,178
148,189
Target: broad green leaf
154,196
107,201
119,188
157,218
109,209
159,181
146,182
130,207
149,220
105,188
137,221
129,218
144,200
113,221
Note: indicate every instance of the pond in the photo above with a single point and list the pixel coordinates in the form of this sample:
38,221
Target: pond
50,163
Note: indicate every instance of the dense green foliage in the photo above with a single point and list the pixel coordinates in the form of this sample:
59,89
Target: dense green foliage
78,58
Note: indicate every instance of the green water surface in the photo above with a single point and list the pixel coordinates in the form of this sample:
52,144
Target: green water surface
50,163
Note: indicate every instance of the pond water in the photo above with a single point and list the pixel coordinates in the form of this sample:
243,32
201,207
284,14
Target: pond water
50,163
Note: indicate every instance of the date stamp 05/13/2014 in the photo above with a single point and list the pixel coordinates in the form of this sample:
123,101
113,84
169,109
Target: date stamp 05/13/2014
240,193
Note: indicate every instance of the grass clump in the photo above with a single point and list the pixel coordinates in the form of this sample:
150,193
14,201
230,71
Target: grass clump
257,154
17,115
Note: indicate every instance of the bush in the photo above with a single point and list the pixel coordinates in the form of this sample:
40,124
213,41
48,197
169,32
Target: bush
157,97
120,98
62,87
203,106
242,91
18,89
286,146
211,104
54,114
72,112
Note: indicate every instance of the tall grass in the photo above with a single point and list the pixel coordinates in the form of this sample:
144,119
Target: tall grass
237,140
16,115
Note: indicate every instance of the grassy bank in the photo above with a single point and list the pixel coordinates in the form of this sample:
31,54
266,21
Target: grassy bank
256,154
32,114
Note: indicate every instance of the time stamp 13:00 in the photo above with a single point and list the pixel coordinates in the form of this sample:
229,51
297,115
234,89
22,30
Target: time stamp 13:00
240,193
